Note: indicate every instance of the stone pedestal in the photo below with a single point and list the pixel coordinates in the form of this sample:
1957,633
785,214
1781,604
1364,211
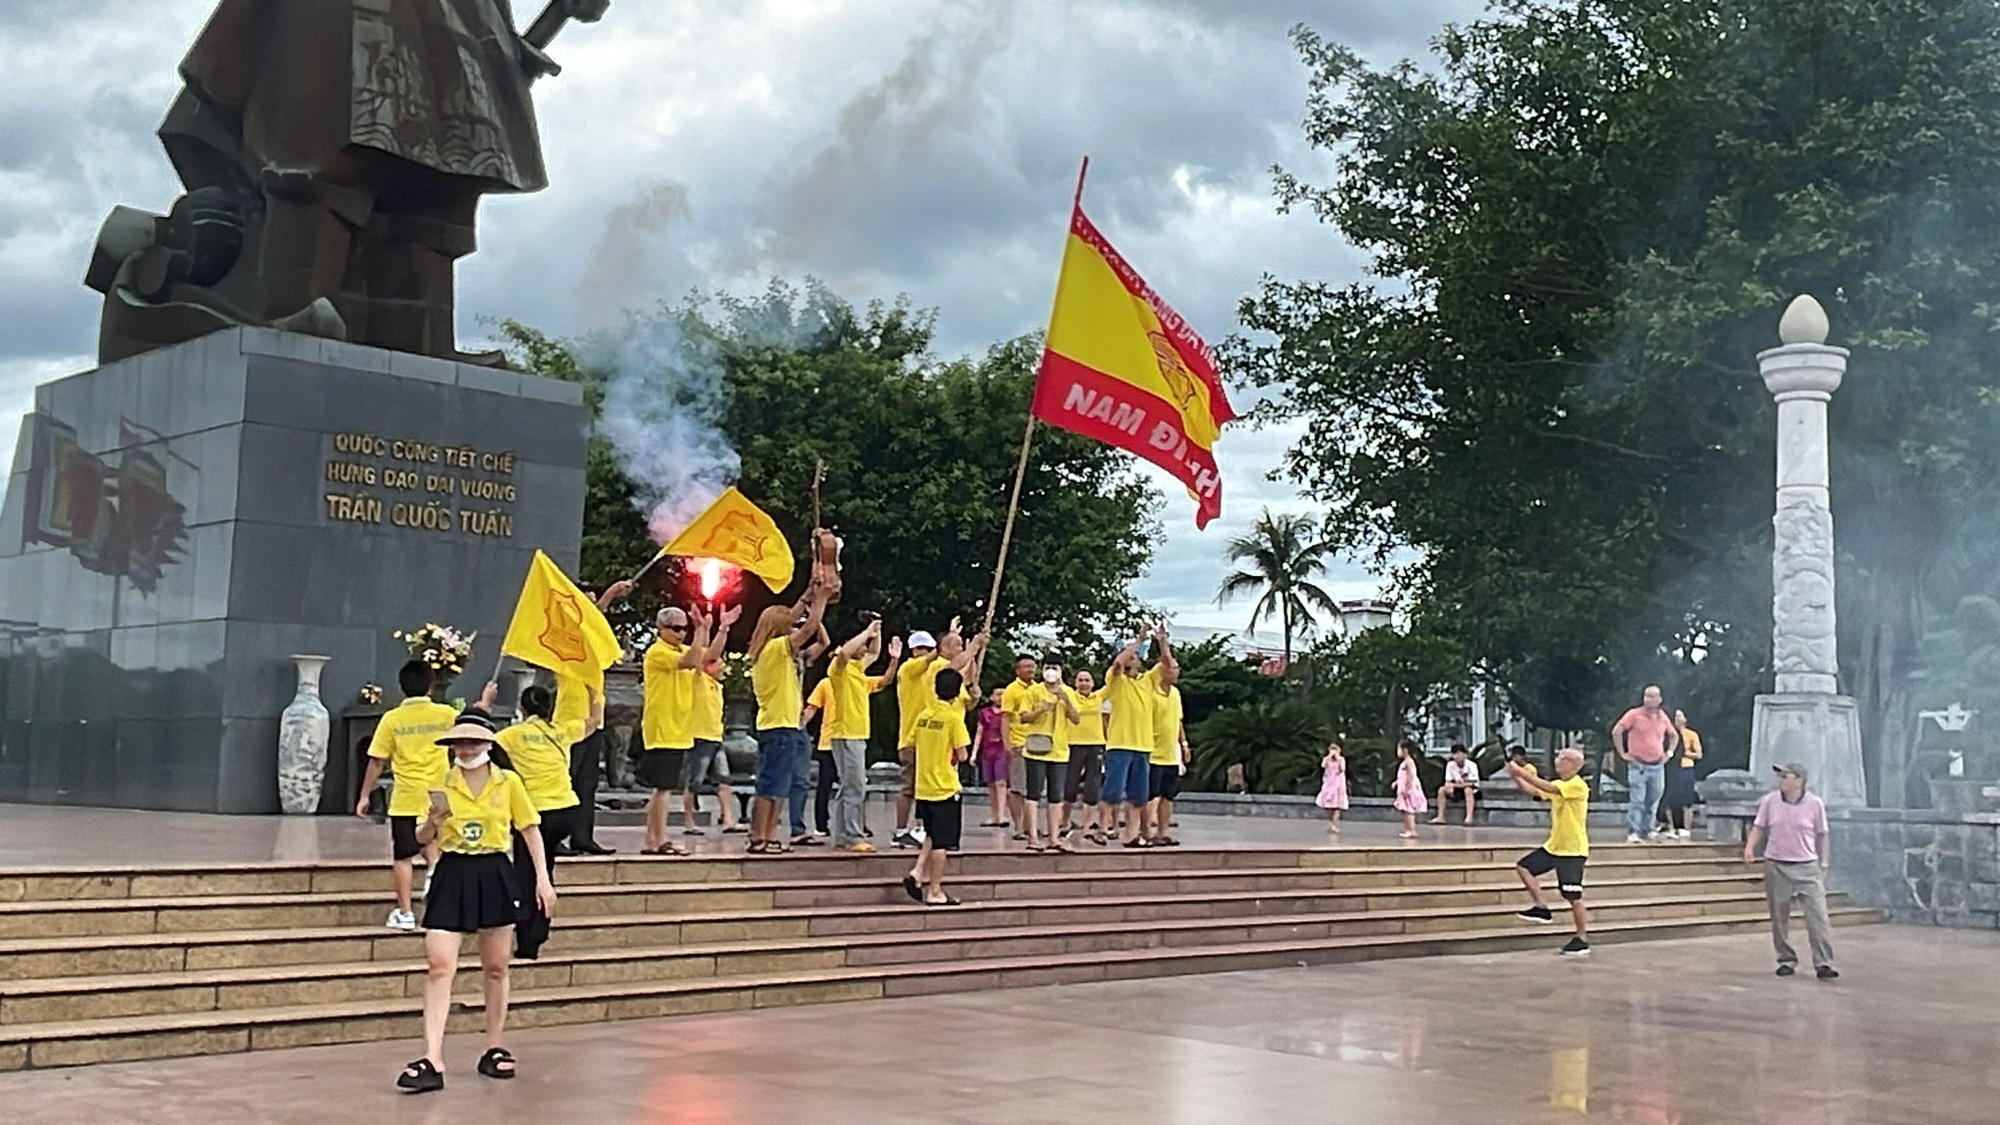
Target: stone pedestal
176,525
1819,731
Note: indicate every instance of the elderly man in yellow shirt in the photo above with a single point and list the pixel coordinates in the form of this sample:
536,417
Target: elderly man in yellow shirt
1168,761
1128,740
671,666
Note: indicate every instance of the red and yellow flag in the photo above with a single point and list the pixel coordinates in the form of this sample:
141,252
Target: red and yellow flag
1123,367
558,628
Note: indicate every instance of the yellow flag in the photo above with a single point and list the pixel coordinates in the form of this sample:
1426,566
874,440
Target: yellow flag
558,628
739,532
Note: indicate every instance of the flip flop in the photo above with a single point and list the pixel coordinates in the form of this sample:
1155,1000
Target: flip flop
911,888
693,832
945,901
736,830
1137,842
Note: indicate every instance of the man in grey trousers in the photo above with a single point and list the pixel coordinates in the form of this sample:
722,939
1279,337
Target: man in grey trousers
1791,826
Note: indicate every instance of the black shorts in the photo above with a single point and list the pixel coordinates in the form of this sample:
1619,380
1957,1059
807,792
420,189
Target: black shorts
403,838
1568,869
943,821
661,769
1165,782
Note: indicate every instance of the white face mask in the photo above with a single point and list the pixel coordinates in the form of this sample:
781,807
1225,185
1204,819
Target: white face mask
474,762
1052,675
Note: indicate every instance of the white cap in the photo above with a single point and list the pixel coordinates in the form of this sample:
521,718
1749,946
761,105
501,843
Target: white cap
921,639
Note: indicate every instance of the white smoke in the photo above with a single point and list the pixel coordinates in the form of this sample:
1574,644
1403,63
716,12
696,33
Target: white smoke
664,399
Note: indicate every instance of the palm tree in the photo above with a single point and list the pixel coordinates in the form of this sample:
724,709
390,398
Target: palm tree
1285,554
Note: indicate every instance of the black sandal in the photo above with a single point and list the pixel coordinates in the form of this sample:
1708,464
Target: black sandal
911,888
945,901
1137,842
420,1077
491,1061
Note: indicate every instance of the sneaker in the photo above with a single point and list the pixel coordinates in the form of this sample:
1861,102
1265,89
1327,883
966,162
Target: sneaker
903,839
1634,838
401,920
1535,914
1577,947
1684,834
1826,972
1786,970
859,847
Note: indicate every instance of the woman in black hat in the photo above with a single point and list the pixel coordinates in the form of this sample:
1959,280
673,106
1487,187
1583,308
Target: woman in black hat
474,890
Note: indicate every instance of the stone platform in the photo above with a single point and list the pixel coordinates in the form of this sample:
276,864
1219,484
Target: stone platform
1665,1033
104,963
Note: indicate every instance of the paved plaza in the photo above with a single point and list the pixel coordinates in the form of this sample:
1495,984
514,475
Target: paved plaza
1669,1033
42,835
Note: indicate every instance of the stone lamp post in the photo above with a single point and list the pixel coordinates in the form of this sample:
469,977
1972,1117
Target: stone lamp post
1805,719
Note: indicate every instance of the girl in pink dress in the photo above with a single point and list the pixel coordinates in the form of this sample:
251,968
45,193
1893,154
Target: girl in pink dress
993,762
1333,787
1410,799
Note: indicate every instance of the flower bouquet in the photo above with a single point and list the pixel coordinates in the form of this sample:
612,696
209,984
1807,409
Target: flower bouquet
442,647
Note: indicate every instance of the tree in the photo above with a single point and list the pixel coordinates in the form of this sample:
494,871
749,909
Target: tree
919,456
1284,556
1585,221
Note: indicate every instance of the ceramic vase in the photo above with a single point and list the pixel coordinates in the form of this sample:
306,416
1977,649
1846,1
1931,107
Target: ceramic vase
302,737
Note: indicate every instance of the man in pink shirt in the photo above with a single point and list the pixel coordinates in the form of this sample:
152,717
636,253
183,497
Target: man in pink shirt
1791,824
1643,738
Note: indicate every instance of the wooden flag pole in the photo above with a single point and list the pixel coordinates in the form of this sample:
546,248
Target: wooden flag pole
1027,441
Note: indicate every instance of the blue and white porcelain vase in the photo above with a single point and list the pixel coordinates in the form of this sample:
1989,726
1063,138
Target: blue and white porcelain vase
302,736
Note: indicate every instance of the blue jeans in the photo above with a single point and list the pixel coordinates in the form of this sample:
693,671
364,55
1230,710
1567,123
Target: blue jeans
778,754
1647,784
1126,776
801,789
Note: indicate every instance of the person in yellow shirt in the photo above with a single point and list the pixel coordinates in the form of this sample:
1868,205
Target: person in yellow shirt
1568,845
1678,807
914,682
941,742
406,742
1024,709
705,725
537,749
781,635
1084,736
1033,712
666,731
1128,740
841,701
708,734
1169,758
471,815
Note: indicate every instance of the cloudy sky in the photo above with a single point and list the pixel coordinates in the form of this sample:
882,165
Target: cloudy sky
886,146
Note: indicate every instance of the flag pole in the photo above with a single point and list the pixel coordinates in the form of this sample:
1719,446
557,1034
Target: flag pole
1027,441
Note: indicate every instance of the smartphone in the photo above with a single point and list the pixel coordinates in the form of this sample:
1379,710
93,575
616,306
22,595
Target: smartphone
440,804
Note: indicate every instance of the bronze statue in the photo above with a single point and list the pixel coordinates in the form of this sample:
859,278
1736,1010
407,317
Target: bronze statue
334,153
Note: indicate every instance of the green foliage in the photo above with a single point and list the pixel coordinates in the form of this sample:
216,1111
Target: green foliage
1211,680
1585,219
919,456
1378,683
1284,556
1279,740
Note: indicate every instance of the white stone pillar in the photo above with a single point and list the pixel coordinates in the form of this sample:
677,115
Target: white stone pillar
1805,719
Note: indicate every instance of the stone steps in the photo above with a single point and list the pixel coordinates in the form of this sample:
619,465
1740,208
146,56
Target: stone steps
130,994
77,1042
22,959
143,963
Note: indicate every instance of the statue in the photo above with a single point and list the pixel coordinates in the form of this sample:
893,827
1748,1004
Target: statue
334,153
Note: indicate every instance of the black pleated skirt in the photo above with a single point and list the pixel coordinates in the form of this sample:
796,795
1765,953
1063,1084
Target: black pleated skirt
470,893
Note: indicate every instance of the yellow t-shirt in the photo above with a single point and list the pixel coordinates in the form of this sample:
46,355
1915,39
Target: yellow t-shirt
822,698
940,735
484,822
407,739
572,702
707,707
539,750
915,690
1017,699
1131,725
1690,748
1088,727
1059,722
668,723
852,685
1569,806
775,677
1166,724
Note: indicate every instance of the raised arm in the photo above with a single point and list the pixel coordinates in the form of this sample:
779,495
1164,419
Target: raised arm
1130,651
815,607
723,624
613,592
697,647
1529,783
895,664
857,649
